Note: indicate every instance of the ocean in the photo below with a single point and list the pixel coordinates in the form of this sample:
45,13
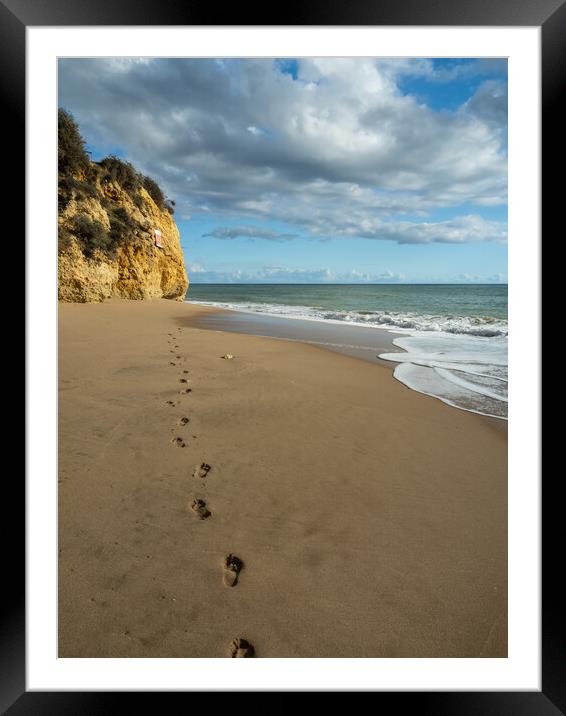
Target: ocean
453,337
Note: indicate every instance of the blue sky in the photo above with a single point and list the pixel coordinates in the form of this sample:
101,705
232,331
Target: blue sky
322,170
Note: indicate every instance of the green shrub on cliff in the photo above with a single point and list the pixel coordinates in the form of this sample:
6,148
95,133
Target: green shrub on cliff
122,226
72,156
116,169
91,235
64,239
71,188
81,179
123,173
154,191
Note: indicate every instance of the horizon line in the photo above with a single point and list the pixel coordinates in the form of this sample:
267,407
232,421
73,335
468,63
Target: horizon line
343,283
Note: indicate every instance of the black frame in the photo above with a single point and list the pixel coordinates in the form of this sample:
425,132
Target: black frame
550,15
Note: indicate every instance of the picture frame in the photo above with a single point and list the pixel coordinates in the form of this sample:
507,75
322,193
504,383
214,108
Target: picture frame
16,16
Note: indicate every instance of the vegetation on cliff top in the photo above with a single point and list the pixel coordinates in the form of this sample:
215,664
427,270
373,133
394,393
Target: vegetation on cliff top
80,178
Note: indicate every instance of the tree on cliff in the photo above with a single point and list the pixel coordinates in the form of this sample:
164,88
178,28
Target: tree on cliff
71,146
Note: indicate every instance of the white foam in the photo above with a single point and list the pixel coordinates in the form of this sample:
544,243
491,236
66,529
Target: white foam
468,372
476,385
425,380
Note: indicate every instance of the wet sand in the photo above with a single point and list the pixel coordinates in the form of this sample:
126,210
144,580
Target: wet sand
356,341
295,498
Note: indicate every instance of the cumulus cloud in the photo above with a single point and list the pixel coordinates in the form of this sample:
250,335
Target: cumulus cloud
196,268
283,274
489,104
455,231
338,151
443,71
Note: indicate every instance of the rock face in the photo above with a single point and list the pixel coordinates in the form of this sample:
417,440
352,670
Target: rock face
128,266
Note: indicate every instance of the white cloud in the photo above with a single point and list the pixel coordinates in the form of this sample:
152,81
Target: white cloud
489,105
196,268
497,278
283,274
343,151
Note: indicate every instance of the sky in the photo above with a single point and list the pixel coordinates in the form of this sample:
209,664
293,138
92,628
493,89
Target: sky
323,170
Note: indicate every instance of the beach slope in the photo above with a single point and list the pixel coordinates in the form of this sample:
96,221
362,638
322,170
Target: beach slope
368,520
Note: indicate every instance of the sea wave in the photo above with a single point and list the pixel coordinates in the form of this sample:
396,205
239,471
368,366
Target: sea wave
485,326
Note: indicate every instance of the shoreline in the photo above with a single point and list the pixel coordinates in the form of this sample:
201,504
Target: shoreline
371,520
331,337
337,337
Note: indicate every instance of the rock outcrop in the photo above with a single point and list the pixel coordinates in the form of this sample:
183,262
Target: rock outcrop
107,243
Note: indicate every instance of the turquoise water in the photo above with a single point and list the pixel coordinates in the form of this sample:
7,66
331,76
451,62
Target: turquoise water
454,337
474,309
453,299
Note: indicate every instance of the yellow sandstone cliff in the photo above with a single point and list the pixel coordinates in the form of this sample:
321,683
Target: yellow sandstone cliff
127,265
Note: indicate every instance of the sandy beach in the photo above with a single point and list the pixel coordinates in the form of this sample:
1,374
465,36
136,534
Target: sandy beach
368,520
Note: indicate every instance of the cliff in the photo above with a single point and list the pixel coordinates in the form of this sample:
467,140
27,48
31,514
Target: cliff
107,223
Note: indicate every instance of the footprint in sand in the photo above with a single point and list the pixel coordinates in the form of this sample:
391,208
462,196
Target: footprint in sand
202,470
169,402
179,442
183,421
178,357
171,363
241,648
199,507
232,568
227,356
185,371
183,380
187,390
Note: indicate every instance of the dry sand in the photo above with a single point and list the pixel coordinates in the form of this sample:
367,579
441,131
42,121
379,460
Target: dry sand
370,520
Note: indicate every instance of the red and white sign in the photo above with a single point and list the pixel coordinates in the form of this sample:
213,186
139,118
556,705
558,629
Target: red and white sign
157,234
